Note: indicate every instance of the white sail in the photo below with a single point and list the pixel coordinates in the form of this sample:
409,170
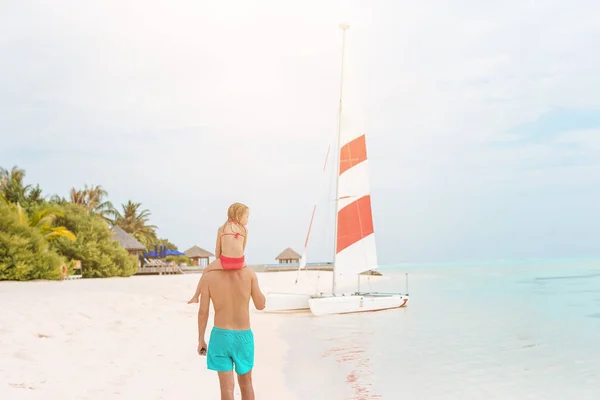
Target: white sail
356,251
354,241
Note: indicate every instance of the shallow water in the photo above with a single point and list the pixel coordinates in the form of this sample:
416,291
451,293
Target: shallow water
497,331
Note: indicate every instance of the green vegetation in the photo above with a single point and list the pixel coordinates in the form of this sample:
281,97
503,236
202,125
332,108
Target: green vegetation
40,234
100,255
24,251
135,222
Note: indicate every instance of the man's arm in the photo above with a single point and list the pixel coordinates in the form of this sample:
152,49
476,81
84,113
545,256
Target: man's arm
203,309
257,297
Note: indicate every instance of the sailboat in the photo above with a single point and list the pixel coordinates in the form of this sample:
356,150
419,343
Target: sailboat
355,249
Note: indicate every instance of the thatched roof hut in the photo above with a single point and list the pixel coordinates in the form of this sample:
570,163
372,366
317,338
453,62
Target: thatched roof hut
127,241
288,256
200,256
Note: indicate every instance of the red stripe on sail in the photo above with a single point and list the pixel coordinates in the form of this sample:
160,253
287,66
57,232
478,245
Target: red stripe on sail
355,222
353,153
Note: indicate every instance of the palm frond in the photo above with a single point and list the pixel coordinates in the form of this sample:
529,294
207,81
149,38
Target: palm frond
60,231
22,214
45,216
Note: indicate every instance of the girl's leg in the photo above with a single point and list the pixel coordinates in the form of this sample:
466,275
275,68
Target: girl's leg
211,267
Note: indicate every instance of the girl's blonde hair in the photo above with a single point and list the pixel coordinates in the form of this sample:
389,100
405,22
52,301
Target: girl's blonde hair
235,212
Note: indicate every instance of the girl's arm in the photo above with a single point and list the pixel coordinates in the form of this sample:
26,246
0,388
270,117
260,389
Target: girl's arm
245,238
218,246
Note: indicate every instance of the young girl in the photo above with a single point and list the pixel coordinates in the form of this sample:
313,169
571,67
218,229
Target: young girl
231,243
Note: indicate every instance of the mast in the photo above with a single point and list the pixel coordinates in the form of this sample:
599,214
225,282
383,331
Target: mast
343,27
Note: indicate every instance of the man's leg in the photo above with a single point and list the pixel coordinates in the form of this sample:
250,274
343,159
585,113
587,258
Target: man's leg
227,383
245,382
244,363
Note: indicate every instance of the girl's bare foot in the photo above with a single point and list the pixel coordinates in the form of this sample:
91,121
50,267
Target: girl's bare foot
194,300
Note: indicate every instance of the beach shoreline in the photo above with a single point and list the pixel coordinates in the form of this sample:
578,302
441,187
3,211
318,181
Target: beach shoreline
128,338
118,338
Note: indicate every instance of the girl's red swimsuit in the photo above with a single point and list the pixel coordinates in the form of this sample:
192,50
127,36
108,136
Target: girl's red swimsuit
232,262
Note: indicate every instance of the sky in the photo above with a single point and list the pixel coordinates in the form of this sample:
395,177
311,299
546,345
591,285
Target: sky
482,118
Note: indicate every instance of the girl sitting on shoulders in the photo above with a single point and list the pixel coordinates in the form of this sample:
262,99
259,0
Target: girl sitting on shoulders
231,243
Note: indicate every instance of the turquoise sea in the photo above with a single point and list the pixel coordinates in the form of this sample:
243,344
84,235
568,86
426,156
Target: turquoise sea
503,330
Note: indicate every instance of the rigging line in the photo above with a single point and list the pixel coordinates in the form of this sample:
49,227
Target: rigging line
328,213
302,263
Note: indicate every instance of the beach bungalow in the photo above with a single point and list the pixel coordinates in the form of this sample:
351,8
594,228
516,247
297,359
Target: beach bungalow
127,241
288,256
199,256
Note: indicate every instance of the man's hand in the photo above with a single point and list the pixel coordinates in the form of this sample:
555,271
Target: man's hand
258,298
203,315
202,347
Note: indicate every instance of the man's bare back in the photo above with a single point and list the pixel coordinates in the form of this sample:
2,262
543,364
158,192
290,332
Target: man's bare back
231,340
230,292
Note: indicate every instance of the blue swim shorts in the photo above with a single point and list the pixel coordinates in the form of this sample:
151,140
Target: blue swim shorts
227,347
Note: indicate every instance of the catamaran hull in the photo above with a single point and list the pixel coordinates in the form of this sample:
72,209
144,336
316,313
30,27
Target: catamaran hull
345,304
287,302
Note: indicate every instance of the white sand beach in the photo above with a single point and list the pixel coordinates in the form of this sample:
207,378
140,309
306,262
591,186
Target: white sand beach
126,338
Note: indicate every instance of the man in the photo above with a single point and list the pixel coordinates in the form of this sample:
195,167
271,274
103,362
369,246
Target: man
231,339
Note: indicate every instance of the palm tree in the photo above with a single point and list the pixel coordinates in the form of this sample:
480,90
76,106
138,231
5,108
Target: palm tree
11,184
14,190
78,197
96,195
15,174
135,222
92,198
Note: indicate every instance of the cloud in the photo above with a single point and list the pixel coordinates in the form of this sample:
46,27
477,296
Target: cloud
190,108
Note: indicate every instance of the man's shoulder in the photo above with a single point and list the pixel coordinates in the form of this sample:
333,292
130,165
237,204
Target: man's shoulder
209,276
217,274
248,271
